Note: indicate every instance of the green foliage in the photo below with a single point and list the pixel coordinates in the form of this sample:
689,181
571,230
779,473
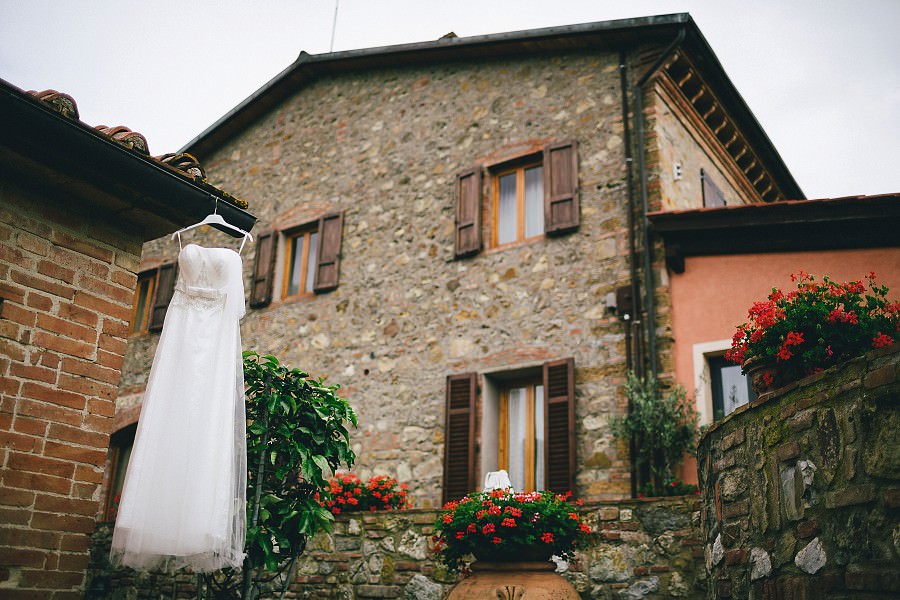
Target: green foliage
664,426
502,525
296,438
818,325
297,427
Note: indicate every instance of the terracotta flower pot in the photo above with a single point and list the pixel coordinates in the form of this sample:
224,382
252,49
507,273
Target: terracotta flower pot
514,581
763,374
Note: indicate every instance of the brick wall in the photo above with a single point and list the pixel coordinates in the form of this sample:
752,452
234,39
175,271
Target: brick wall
66,286
640,548
801,489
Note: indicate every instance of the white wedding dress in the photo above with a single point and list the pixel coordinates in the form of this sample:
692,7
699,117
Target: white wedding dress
184,499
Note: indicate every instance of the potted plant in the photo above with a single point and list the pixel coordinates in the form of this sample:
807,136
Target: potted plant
348,493
512,535
818,325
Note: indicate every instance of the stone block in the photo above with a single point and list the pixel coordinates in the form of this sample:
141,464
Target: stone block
849,496
788,451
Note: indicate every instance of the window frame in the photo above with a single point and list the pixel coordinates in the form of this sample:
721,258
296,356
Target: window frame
519,167
703,379
531,467
288,237
119,441
151,278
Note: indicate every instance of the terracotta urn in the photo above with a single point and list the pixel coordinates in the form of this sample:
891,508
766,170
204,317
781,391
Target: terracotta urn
763,374
513,581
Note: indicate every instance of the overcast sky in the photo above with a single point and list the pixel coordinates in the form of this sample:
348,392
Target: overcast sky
821,76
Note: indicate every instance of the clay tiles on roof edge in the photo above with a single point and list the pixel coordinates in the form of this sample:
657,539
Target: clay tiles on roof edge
181,162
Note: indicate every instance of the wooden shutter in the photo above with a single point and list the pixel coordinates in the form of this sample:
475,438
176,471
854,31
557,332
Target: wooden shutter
459,436
560,188
328,254
468,213
263,270
559,425
165,288
712,195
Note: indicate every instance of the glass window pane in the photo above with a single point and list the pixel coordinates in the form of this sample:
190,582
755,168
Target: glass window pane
734,388
516,467
311,261
539,437
534,202
507,220
296,265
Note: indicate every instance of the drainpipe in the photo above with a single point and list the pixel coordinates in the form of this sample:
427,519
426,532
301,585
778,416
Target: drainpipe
636,362
645,223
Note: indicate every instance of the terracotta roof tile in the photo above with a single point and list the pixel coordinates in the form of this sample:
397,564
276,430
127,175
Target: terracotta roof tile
185,163
126,137
64,104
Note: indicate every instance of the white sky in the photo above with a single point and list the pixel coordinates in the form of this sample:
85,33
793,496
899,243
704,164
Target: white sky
821,76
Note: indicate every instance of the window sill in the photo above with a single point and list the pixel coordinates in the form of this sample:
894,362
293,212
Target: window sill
518,244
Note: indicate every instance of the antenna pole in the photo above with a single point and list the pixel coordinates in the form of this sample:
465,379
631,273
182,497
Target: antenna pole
334,25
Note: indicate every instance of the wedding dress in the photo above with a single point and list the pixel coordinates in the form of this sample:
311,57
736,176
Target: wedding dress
184,499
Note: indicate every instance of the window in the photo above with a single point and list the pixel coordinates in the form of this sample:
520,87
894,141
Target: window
120,445
300,262
520,434
151,298
143,299
712,195
730,388
310,260
720,387
517,211
535,195
527,426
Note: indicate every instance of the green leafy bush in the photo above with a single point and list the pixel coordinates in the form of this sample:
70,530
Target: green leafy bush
664,427
296,438
503,525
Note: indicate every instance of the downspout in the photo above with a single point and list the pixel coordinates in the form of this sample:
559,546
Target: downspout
630,363
645,223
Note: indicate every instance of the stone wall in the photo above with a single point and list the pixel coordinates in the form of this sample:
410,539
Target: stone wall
801,489
66,288
639,549
384,146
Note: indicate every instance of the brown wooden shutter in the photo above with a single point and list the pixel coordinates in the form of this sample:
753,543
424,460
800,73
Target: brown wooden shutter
712,195
459,436
559,425
560,188
165,288
468,213
263,270
328,254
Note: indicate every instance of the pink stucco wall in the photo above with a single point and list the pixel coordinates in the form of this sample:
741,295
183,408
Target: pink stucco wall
710,299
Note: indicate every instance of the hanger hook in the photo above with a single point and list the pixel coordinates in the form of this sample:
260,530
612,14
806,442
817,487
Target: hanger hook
215,203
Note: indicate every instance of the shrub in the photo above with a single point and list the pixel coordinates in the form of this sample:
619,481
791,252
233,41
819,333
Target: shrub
664,427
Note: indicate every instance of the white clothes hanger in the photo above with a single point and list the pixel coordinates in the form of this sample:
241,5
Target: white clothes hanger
215,218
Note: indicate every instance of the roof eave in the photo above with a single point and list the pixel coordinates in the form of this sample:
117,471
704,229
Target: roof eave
108,179
308,66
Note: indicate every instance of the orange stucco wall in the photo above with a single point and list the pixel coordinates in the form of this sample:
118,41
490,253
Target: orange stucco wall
711,298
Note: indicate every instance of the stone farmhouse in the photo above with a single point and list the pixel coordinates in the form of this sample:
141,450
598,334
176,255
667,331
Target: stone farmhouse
456,232
76,203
